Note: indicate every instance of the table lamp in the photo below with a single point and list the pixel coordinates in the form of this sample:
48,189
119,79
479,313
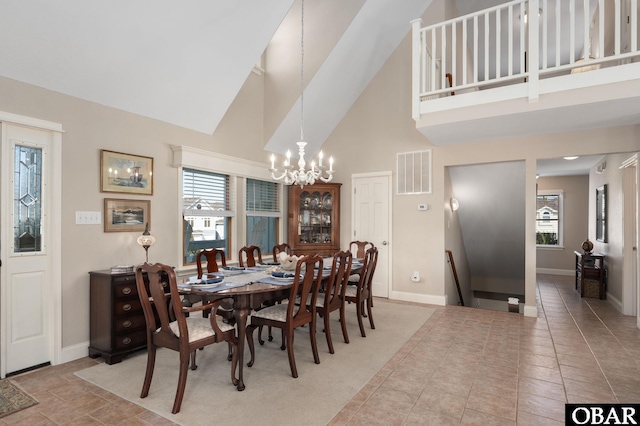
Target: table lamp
146,240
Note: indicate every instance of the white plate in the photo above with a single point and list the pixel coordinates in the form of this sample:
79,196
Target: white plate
283,278
230,272
212,285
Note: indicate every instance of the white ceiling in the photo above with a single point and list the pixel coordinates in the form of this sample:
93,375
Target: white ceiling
179,62
185,62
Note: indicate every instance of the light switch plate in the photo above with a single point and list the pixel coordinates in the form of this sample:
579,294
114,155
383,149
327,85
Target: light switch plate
88,218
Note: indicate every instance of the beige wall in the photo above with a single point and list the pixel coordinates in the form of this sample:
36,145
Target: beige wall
613,247
575,222
89,127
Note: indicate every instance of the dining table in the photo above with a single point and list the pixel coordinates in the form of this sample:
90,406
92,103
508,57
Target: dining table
249,288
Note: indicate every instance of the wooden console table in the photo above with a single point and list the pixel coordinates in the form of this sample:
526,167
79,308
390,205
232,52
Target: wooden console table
590,275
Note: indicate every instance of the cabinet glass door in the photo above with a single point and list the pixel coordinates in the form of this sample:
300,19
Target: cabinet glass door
315,217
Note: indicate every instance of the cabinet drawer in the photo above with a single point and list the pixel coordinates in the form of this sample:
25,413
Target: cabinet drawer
126,324
125,290
127,307
130,340
591,273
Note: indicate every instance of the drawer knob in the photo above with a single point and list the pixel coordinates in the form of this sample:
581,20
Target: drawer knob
126,307
126,324
126,290
126,340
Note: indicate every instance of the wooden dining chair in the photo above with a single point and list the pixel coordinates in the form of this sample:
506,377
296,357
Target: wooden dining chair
248,254
167,325
333,297
225,309
211,256
278,248
360,294
288,316
358,248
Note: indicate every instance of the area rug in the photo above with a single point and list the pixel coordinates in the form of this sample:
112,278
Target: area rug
271,396
13,399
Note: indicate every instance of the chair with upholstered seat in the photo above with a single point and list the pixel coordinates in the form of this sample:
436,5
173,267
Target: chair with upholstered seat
278,248
358,248
360,294
225,309
249,256
288,316
334,292
161,302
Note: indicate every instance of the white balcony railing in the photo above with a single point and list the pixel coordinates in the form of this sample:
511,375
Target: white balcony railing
500,45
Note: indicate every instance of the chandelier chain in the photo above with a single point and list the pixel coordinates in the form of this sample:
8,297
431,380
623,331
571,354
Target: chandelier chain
302,176
302,72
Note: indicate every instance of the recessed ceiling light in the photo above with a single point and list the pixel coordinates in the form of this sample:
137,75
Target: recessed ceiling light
573,157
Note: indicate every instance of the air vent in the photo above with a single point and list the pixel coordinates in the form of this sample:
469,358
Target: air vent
414,172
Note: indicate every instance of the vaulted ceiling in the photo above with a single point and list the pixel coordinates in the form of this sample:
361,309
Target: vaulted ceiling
185,62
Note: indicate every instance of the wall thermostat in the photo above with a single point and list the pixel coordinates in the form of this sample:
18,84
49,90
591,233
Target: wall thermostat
423,207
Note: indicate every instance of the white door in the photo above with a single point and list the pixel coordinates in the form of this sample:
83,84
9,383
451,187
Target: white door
26,249
629,224
371,219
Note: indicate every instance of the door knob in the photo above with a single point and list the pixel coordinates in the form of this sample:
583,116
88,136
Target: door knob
384,243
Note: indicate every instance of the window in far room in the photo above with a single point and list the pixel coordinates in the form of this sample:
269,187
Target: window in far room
549,218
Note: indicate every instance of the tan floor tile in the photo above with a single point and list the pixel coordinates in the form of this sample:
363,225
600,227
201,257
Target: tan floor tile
424,417
528,385
527,419
496,404
444,403
477,418
541,406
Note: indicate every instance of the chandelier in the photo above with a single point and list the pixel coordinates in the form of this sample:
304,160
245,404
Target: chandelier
301,176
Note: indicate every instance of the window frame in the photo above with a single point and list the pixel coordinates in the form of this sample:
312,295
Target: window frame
275,213
238,170
560,220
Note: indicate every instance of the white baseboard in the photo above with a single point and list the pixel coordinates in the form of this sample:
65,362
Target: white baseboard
71,353
549,271
617,304
530,311
420,298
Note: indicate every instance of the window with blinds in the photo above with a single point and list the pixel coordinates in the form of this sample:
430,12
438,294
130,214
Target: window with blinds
207,212
263,214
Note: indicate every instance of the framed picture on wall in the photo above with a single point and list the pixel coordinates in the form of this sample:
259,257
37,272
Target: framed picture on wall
125,173
126,215
601,214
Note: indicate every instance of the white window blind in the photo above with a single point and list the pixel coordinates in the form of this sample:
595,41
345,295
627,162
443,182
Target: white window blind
262,198
414,172
204,192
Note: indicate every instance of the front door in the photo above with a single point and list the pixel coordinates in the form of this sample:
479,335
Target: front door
371,222
27,247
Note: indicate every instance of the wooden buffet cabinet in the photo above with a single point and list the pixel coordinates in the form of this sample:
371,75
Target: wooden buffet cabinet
117,325
314,219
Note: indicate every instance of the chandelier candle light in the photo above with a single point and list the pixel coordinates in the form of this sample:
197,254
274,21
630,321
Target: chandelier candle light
301,176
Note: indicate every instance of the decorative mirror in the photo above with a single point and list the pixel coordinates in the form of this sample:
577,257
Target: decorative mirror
601,214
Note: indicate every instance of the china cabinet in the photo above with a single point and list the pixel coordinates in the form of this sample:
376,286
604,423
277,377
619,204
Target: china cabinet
314,219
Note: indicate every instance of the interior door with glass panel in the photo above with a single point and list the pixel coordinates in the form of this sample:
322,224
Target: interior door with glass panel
26,270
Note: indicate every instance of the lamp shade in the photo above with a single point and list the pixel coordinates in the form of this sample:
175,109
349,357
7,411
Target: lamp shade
146,240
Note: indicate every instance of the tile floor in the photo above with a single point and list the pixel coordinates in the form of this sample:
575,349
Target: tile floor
464,366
